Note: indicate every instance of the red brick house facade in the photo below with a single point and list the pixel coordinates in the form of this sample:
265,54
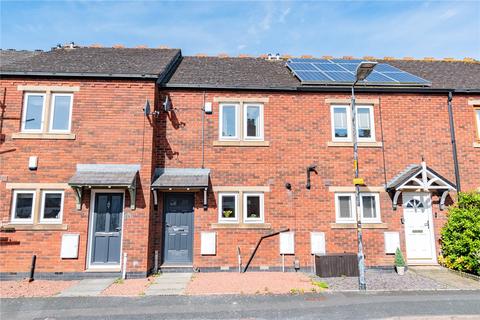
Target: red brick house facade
222,160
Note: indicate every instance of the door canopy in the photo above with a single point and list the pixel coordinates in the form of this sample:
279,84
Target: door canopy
419,178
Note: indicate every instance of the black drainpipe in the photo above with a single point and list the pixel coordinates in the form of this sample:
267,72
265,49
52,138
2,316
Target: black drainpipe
454,143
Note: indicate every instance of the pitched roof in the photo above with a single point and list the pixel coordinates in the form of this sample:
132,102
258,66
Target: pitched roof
11,56
443,74
258,73
95,62
216,72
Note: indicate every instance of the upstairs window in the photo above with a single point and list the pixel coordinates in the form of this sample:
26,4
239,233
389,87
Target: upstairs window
477,117
253,122
228,121
342,123
36,115
61,113
33,112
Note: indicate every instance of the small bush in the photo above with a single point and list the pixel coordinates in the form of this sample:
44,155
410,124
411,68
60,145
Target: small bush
461,235
399,260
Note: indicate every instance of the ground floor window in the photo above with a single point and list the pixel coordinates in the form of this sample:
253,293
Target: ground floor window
253,207
228,207
369,207
24,206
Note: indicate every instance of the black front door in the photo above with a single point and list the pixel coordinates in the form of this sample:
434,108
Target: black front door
107,226
178,230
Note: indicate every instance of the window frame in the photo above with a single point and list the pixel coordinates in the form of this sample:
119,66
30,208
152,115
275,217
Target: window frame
41,219
24,112
260,137
261,219
372,123
376,198
353,219
476,113
52,112
221,219
338,218
14,206
348,108
220,122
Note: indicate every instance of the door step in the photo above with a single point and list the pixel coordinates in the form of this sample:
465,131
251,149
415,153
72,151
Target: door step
170,268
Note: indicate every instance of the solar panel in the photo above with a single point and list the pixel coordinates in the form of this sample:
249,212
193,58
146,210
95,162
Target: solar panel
342,72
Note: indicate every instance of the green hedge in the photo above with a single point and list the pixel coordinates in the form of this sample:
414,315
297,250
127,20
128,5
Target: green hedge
461,235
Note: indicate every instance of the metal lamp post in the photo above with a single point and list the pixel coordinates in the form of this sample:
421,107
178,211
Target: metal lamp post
362,72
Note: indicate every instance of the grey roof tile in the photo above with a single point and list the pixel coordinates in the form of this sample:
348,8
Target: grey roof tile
181,178
134,62
233,72
11,56
403,175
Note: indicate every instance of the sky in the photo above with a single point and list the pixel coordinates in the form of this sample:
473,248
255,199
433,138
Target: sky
337,28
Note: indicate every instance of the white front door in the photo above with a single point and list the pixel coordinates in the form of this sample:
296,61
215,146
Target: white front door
419,235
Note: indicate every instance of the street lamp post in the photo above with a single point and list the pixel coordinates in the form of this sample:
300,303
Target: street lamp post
362,72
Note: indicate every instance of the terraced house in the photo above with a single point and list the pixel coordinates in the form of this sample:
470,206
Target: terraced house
139,159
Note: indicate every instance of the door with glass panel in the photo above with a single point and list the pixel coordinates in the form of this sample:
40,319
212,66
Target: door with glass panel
107,226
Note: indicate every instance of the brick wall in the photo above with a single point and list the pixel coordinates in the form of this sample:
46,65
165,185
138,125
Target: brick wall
110,128
297,126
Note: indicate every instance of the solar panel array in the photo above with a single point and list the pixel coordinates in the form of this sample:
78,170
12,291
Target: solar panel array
342,72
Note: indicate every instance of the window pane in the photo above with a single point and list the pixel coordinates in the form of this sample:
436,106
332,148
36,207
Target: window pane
52,206
253,121
345,206
369,211
228,207
478,121
340,122
34,112
61,113
363,123
229,121
24,205
253,207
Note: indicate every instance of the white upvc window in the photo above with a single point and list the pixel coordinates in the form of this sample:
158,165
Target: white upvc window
477,117
23,204
341,123
253,121
33,112
365,123
253,207
52,206
61,113
228,122
344,203
341,119
228,207
369,207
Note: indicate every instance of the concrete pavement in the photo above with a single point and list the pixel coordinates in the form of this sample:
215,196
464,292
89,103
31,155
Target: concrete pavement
442,275
87,288
333,306
169,284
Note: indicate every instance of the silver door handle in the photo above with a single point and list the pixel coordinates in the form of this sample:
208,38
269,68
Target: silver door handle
118,229
427,224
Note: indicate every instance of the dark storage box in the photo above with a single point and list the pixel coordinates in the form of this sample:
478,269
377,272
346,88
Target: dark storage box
336,265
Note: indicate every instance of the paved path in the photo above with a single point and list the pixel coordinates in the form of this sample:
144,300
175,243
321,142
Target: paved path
169,284
332,306
87,287
442,275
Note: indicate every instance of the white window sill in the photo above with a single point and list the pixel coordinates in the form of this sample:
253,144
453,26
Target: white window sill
44,136
353,225
243,143
241,226
350,144
33,227
476,144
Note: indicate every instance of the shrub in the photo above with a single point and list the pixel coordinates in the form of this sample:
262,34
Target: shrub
461,235
399,260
